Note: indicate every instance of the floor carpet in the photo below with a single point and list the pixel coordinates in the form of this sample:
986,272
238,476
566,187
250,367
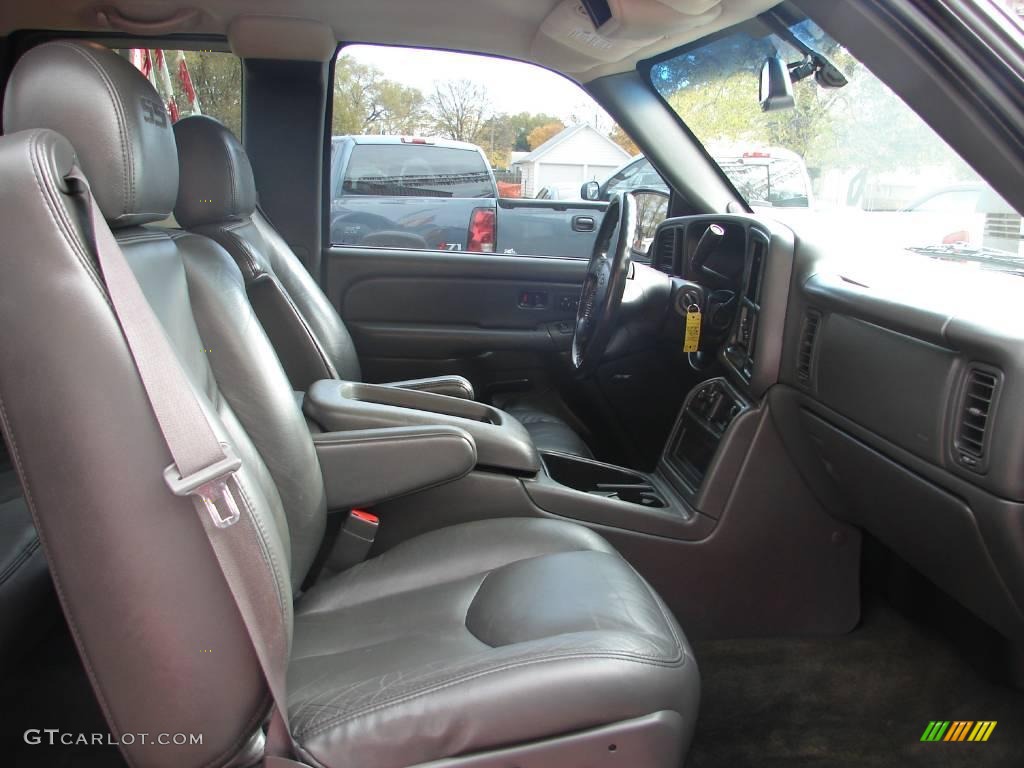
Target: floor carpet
861,700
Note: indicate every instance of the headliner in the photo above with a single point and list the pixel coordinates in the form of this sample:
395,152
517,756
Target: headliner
511,28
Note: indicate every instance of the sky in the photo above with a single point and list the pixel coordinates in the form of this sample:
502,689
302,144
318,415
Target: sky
512,86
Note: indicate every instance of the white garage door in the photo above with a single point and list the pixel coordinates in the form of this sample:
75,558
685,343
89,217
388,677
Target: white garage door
599,172
557,173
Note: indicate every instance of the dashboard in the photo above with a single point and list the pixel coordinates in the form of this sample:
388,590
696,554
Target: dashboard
893,397
742,285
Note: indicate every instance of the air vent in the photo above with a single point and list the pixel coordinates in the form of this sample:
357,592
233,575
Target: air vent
665,254
805,355
979,399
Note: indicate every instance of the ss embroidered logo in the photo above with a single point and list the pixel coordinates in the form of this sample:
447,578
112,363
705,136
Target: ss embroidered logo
153,112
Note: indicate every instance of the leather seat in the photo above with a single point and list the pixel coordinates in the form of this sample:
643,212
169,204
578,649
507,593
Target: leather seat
217,198
26,594
523,642
547,632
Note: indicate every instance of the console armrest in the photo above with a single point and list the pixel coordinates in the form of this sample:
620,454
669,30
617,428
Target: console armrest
453,386
502,442
367,466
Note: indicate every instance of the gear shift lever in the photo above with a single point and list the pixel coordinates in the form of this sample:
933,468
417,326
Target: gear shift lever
707,245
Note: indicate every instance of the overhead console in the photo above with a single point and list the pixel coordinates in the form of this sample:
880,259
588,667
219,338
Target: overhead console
580,34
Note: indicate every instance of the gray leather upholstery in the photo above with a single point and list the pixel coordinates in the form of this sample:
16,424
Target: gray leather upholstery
26,593
116,124
480,635
133,569
217,198
417,458
493,633
546,426
453,386
310,338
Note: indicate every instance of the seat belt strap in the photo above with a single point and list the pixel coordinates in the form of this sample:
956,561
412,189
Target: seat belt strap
204,469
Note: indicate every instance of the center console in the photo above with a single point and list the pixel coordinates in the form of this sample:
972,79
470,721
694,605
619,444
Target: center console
707,414
502,443
430,439
685,494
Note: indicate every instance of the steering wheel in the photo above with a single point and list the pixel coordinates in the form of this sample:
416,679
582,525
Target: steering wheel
605,282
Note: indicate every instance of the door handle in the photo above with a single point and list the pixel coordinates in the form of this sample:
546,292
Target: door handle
533,299
583,223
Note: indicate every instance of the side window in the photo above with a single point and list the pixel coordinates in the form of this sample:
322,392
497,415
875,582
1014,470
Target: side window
193,82
457,152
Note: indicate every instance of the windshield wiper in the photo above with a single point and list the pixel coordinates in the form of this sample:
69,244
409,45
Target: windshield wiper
988,258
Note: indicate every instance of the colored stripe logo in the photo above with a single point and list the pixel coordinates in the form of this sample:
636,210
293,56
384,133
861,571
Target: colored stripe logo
958,730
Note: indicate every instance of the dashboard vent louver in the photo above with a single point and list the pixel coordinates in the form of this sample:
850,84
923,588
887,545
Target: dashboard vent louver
805,354
665,255
979,397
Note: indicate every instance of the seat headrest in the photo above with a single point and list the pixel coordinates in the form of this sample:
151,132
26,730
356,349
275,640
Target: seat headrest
113,118
216,182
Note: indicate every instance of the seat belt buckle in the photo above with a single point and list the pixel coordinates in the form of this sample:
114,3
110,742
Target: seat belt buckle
210,487
355,538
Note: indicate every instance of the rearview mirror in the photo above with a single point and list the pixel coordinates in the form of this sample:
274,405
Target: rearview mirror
590,190
776,88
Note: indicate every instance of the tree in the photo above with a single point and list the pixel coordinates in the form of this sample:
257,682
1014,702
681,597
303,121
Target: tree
217,80
367,102
524,122
460,109
622,138
401,109
542,133
498,138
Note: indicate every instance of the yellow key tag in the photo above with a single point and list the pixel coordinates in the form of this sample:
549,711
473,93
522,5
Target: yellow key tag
691,333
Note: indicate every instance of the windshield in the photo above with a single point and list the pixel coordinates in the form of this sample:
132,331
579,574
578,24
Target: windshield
853,159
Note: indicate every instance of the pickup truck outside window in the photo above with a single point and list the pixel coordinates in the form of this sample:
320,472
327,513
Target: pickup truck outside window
417,170
449,151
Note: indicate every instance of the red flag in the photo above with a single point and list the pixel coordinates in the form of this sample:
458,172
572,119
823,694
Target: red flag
186,81
141,60
172,107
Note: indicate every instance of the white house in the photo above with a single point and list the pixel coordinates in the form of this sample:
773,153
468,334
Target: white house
577,154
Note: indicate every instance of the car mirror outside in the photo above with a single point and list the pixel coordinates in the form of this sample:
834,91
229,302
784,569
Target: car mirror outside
651,210
590,190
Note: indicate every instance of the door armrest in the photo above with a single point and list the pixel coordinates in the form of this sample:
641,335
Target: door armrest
453,386
368,466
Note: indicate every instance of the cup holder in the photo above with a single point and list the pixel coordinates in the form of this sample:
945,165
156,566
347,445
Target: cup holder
601,480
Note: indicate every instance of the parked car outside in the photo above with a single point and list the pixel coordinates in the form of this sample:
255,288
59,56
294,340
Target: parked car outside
431,193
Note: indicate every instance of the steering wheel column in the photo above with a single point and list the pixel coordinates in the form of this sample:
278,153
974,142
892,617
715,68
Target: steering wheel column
604,283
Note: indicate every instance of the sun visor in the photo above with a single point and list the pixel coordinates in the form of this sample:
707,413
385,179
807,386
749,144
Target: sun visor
280,37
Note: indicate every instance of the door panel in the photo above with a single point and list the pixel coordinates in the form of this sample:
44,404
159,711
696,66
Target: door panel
488,317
